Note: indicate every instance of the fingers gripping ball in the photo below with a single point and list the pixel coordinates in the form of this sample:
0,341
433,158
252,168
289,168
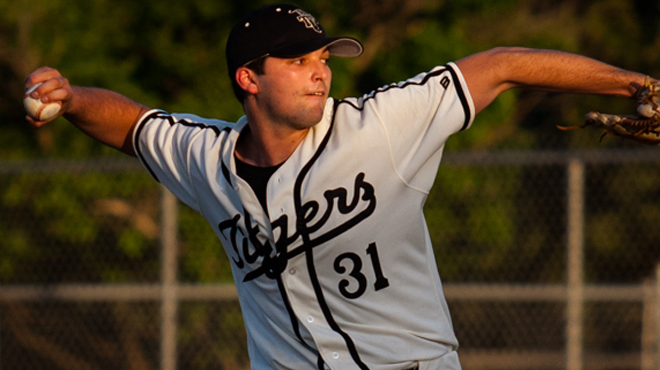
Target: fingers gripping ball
38,110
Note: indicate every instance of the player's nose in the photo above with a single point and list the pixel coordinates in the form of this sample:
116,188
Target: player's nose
320,71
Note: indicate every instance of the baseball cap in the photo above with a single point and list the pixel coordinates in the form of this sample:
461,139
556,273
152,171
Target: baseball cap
284,31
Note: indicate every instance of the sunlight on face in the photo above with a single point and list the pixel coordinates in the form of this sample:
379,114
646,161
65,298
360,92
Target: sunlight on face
293,91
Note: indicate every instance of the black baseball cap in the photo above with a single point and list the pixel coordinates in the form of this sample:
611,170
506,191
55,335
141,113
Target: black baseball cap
284,31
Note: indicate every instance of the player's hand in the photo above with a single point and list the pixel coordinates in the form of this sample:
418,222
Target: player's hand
54,88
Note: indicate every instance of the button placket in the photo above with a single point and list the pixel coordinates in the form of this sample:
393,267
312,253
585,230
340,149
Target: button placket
304,303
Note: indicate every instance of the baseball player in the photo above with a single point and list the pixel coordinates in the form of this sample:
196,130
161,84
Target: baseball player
318,201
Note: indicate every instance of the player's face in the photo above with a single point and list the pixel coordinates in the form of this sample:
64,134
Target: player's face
293,91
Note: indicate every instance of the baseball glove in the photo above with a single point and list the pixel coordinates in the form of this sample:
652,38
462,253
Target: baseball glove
643,128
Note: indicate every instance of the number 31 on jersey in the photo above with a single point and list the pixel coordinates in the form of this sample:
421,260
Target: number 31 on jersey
354,263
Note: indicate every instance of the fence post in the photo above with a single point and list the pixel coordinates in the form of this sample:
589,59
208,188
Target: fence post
656,302
575,264
169,298
649,326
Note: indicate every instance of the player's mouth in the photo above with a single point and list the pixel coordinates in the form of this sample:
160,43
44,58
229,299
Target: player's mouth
317,93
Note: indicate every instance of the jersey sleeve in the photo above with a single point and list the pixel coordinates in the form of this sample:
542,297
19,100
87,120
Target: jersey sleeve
418,116
171,147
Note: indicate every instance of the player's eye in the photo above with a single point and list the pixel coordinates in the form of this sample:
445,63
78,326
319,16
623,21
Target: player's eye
325,57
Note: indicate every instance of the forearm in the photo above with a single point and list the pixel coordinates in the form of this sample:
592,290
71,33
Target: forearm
559,71
494,71
104,115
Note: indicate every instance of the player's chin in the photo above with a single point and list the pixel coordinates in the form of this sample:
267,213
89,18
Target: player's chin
308,119
317,116
316,105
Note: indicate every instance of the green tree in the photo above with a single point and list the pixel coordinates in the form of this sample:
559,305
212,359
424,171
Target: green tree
170,55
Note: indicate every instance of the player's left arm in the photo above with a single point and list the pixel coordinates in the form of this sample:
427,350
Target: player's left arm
494,71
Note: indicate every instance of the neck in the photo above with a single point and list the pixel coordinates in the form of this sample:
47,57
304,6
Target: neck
265,145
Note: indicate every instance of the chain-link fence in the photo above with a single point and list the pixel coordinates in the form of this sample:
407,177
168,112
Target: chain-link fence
548,259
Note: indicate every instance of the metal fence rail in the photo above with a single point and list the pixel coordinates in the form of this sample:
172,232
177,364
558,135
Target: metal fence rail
573,294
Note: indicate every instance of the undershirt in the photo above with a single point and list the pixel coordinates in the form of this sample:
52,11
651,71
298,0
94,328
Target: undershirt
257,178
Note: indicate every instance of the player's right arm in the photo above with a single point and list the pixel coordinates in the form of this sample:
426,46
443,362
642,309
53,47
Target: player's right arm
494,71
104,115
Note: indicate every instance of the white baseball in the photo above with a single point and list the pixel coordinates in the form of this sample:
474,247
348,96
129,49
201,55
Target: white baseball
649,102
650,109
647,110
38,110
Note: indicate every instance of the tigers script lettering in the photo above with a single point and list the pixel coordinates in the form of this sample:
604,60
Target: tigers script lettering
242,232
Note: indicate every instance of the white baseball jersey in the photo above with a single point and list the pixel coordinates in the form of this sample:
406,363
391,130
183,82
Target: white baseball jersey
340,272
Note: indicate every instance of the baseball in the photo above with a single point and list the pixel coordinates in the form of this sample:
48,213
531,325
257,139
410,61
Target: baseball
649,100
650,109
38,110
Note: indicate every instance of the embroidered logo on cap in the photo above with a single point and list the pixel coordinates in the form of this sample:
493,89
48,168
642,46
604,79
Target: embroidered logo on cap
307,19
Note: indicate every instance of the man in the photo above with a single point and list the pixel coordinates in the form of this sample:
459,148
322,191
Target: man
318,202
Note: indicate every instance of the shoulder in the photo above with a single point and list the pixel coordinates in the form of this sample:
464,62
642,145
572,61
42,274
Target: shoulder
437,80
160,117
159,132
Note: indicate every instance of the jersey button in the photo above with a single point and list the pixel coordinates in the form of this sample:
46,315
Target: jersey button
292,271
310,319
335,355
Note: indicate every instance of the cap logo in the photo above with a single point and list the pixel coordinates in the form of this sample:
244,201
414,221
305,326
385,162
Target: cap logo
307,19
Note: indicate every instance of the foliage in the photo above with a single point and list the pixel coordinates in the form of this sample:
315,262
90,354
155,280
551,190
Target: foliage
170,54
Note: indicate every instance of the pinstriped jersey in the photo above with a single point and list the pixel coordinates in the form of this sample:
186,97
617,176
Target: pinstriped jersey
339,273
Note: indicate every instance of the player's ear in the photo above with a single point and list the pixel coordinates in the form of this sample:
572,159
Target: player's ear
245,78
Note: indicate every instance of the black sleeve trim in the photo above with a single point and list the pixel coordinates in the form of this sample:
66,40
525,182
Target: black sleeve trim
164,115
461,96
136,139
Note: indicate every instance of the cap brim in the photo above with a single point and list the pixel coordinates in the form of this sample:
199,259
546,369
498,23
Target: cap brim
337,46
346,47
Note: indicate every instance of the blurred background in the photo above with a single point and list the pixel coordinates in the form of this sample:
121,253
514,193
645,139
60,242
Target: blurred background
545,239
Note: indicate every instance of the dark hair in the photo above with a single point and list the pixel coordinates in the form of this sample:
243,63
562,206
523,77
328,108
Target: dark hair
257,66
